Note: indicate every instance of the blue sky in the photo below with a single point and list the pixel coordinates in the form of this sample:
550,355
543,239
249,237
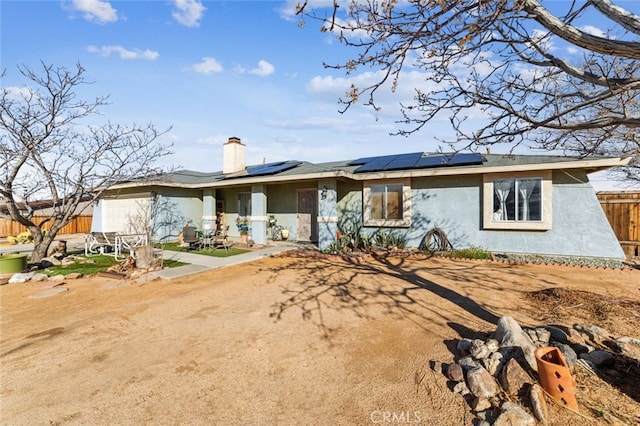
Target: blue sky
212,70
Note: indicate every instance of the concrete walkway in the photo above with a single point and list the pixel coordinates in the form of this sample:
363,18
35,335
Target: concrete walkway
199,263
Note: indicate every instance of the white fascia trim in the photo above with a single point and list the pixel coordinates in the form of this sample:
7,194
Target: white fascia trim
591,164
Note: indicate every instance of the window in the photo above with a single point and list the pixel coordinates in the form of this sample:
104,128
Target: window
520,201
387,203
244,204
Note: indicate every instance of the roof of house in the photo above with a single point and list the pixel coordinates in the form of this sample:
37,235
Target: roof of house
380,167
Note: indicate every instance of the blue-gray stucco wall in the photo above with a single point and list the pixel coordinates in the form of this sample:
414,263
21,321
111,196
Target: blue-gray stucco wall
454,204
173,209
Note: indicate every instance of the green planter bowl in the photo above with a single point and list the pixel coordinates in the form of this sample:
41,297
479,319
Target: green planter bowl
12,263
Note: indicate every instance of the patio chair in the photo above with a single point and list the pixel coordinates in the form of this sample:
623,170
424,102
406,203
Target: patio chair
190,236
221,240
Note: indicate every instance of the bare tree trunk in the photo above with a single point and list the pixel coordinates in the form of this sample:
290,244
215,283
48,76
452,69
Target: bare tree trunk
41,243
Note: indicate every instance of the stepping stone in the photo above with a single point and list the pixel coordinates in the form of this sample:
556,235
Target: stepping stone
49,284
50,292
115,284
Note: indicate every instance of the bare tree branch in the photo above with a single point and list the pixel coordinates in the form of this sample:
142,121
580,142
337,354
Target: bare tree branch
529,76
47,155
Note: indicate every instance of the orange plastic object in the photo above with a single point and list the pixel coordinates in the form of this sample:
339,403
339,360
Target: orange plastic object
555,376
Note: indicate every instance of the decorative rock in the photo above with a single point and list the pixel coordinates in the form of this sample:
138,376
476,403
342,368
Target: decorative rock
513,377
479,350
568,353
612,373
74,275
436,366
629,346
20,278
461,388
509,333
582,348
492,344
468,363
543,336
454,372
595,333
481,383
575,337
599,358
480,404
39,277
463,346
538,403
532,335
50,261
557,334
513,414
57,278
493,363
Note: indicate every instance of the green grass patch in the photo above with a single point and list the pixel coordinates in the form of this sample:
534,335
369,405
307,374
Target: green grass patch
205,252
96,263
87,266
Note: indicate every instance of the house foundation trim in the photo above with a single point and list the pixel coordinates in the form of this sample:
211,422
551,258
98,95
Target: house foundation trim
327,219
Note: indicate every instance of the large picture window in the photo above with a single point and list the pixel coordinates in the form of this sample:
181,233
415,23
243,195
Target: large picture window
521,201
387,203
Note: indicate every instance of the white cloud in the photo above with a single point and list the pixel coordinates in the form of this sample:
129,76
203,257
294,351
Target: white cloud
264,69
96,10
349,29
572,50
18,94
188,12
590,29
124,53
544,40
207,66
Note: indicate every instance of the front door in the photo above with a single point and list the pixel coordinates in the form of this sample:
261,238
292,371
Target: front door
307,226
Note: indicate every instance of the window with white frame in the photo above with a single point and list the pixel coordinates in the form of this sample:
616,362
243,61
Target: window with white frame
517,201
387,203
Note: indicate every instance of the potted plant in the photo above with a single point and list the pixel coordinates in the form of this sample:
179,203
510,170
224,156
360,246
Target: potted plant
242,222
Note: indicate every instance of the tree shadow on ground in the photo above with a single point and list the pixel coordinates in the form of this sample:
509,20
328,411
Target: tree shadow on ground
353,283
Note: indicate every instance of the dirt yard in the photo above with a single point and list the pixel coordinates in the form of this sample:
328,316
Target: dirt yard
287,340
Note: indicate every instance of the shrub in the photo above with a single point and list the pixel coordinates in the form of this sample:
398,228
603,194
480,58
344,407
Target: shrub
470,253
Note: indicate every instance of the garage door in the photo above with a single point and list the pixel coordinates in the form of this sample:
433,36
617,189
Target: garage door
126,215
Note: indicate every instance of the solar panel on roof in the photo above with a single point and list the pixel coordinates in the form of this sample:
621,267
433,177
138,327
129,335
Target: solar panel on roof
415,160
271,168
360,161
404,161
375,164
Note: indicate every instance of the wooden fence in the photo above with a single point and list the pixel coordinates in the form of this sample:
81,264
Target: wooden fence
80,225
623,211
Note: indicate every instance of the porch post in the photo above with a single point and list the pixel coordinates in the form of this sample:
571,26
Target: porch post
258,214
327,212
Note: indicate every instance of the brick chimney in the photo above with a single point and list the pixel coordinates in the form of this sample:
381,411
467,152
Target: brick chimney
233,156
